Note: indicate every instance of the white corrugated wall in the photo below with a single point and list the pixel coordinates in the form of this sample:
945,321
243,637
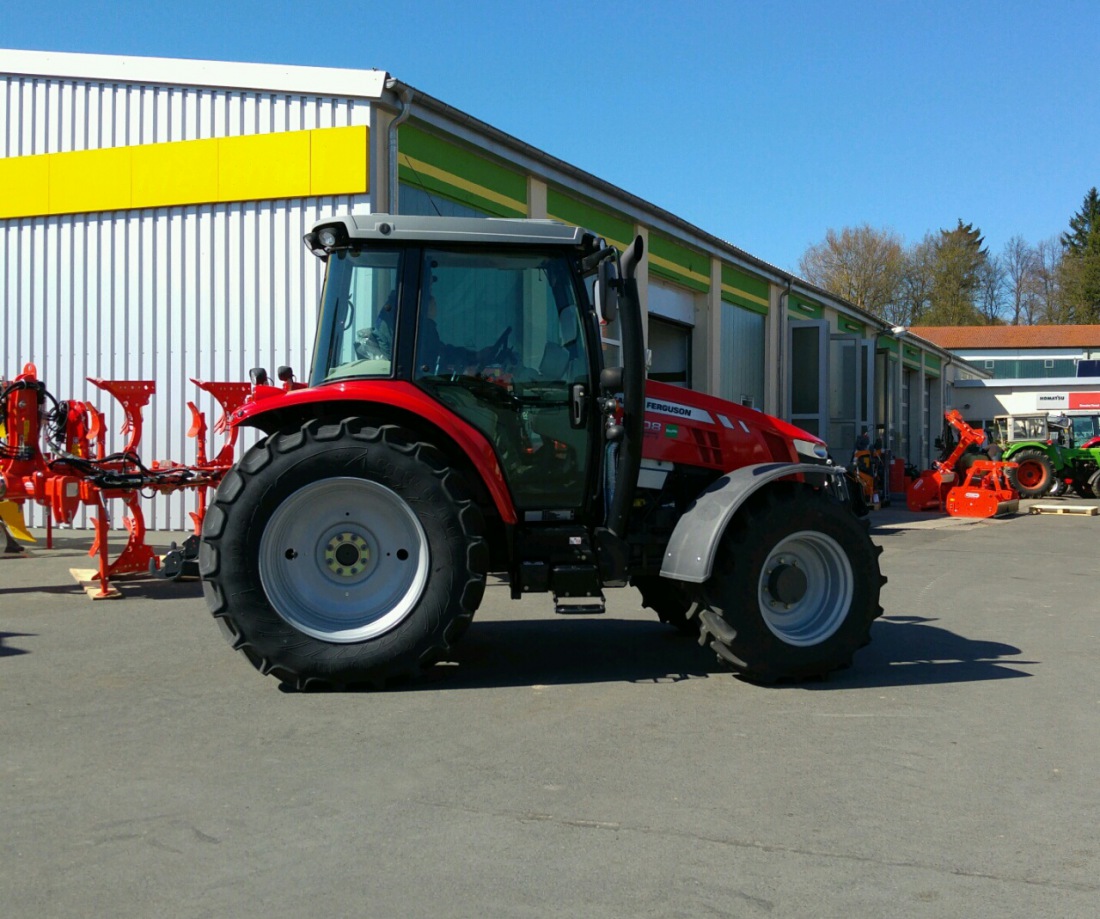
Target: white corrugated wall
165,294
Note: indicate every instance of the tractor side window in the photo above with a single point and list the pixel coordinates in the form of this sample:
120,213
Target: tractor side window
499,340
1084,428
358,315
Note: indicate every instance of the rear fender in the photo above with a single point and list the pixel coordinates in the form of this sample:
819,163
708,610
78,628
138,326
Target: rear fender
689,555
396,400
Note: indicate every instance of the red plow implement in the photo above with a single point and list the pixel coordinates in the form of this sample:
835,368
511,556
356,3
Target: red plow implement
53,453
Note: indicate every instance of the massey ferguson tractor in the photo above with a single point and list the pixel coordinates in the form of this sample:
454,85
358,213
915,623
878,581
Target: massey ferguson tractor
459,420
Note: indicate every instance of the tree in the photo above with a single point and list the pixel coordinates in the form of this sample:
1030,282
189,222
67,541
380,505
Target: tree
959,260
992,290
1021,267
860,264
1081,262
1084,225
917,281
1049,303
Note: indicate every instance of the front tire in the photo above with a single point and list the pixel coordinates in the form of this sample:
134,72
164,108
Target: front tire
342,554
795,587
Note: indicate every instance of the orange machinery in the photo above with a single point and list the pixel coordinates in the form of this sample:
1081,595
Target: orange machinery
963,485
76,470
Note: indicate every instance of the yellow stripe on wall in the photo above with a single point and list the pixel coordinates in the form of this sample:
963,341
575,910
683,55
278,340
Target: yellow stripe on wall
171,174
465,184
290,164
679,269
24,186
729,289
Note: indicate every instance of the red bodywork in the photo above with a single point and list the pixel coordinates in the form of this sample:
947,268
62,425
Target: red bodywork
681,426
692,428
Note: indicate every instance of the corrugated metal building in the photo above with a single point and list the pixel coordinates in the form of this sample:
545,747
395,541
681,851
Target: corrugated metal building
152,210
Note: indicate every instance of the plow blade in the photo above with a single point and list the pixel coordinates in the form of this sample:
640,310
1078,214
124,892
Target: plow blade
12,517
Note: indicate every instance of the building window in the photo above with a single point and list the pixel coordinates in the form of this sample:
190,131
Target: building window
1048,365
989,365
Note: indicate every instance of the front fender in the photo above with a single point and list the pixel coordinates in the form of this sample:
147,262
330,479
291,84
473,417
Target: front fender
689,555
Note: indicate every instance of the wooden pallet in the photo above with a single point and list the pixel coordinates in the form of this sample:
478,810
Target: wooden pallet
1081,510
88,579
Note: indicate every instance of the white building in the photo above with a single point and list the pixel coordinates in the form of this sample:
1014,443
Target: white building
151,215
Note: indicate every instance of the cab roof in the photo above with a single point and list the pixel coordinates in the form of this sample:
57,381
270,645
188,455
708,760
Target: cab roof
498,230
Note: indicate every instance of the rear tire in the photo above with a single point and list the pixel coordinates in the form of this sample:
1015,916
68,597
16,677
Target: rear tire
795,587
342,554
1034,475
674,602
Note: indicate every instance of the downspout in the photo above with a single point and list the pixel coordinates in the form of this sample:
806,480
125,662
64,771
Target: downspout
404,99
783,408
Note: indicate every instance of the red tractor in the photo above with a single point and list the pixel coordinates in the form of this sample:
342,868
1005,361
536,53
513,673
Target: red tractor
459,421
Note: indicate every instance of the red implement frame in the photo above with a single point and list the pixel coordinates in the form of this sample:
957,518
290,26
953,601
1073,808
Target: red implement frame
81,473
983,489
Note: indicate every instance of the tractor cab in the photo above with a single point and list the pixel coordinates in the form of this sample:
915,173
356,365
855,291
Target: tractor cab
503,336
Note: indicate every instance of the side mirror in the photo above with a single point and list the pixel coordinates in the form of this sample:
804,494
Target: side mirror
606,290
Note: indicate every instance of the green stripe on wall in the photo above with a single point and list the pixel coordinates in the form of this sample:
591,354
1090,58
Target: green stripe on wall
436,165
678,263
804,309
744,289
617,230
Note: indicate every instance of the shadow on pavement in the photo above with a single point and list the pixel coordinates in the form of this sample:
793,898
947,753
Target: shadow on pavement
910,651
904,651
6,650
549,652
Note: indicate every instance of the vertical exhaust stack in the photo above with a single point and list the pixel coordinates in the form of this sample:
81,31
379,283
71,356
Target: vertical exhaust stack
633,351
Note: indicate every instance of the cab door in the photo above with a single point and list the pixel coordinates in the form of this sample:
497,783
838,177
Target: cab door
500,340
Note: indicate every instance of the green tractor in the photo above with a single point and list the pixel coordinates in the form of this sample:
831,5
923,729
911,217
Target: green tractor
1048,461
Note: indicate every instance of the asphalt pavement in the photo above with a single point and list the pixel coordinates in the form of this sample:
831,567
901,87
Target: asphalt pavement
598,766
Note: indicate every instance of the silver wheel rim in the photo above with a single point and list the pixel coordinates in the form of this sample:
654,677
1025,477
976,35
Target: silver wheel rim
816,562
344,560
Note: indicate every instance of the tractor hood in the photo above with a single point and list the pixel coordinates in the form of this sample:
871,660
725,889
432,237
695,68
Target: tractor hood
693,428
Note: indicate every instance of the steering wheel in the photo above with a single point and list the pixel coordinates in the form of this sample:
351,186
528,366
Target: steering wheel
499,352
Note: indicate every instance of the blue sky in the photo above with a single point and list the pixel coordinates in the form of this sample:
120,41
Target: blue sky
764,123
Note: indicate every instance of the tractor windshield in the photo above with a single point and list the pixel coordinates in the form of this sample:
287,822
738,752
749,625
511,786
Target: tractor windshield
358,317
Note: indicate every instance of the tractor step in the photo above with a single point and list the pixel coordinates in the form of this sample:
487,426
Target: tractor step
1082,510
586,606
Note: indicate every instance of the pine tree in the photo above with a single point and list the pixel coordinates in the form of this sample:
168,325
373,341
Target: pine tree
959,260
1081,264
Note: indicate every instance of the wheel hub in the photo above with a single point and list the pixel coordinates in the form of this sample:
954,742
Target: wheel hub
347,555
344,559
805,588
787,582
